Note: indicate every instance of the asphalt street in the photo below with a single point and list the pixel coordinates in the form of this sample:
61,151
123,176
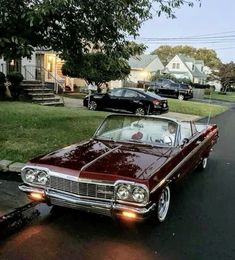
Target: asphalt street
200,224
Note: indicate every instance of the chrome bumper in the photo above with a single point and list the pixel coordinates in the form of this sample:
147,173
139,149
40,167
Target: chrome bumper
108,208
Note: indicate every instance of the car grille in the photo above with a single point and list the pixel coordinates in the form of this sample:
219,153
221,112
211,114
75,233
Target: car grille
93,190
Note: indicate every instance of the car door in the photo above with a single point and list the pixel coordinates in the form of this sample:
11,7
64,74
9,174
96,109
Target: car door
189,145
112,99
129,100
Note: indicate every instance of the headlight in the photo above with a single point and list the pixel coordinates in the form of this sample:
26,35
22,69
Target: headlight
139,194
42,177
131,192
123,192
35,176
29,175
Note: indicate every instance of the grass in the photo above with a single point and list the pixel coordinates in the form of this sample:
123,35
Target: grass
195,108
28,130
229,97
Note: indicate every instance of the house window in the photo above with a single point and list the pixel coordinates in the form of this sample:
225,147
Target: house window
175,66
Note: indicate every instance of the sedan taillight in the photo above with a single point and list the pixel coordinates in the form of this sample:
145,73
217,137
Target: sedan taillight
156,102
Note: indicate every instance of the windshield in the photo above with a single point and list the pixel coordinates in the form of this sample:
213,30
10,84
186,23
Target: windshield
147,130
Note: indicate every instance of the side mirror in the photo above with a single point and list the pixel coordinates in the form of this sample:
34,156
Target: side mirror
185,141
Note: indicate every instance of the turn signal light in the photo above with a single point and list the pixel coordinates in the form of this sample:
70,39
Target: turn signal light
36,196
129,215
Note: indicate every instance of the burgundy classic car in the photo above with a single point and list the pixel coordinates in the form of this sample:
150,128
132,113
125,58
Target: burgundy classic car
125,170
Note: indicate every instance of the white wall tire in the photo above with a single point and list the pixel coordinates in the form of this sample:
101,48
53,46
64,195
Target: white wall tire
203,163
163,204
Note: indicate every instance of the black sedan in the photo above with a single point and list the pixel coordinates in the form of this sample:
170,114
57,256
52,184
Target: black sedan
172,89
132,100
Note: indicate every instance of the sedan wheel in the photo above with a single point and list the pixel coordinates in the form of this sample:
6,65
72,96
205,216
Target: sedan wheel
140,111
163,204
181,97
92,105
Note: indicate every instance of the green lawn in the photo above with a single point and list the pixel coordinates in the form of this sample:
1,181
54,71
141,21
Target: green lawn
229,97
195,108
27,130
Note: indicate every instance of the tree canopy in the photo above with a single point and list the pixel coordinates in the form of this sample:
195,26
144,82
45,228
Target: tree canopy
72,27
97,67
209,56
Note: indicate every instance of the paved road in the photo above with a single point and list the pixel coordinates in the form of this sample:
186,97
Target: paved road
201,223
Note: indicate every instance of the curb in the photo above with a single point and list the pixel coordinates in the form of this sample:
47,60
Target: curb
11,166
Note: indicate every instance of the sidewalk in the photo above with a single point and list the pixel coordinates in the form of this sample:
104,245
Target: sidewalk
11,196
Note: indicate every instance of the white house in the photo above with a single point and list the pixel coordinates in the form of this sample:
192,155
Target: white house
214,80
182,66
44,65
143,67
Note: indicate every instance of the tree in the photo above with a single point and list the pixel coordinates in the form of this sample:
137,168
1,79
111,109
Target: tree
72,27
209,56
226,74
97,67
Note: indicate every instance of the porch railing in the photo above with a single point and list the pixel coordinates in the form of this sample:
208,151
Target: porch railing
31,72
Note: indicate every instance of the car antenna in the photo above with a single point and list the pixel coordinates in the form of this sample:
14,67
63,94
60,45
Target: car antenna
210,110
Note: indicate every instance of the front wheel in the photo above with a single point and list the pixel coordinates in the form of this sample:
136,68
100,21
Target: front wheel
92,105
163,204
140,111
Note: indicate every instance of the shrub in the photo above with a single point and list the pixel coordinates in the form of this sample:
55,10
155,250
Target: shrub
15,78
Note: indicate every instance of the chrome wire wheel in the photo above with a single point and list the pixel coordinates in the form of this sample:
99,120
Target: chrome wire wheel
92,105
140,111
163,204
181,97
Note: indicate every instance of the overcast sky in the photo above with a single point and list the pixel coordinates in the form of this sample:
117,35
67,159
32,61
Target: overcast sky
215,20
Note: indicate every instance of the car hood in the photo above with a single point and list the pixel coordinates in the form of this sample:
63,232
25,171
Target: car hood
101,160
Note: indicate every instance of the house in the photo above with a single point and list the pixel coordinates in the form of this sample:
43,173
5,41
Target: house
44,65
143,67
212,79
182,66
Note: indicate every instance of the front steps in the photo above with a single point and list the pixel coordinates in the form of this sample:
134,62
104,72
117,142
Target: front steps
40,94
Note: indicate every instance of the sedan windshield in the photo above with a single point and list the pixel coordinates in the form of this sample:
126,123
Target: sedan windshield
147,130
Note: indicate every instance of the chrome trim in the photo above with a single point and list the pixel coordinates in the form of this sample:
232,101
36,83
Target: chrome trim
135,184
99,207
76,195
28,189
136,210
178,166
77,179
34,168
64,176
